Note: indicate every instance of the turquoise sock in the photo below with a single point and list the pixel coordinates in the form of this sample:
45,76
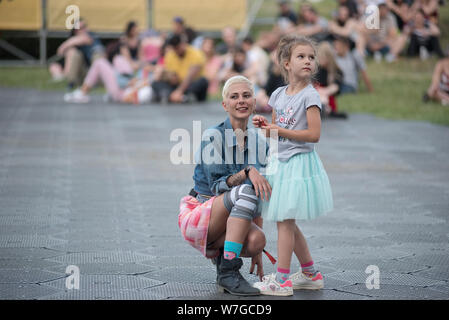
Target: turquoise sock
232,250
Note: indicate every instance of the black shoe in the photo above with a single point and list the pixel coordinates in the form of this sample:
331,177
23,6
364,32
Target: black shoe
230,280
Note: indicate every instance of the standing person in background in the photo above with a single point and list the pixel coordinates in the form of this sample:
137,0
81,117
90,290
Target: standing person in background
300,186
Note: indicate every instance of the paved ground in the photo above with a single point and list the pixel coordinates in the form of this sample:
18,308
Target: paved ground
92,186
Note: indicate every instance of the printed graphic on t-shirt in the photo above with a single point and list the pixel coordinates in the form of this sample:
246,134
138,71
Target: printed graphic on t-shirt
285,119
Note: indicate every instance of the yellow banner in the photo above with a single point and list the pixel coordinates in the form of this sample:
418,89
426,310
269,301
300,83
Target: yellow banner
199,14
20,15
100,15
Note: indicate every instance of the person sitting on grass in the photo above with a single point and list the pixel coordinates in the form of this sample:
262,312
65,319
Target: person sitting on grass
184,73
423,35
328,80
439,88
351,63
78,52
136,91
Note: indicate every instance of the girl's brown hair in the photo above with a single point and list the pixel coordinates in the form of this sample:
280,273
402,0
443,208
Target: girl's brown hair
285,49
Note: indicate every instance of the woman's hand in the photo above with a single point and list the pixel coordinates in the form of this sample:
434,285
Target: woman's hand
259,121
257,261
260,184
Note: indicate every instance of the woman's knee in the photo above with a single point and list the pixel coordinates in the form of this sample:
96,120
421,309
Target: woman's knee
241,202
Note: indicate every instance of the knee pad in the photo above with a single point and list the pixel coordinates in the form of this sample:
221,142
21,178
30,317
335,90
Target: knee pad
241,202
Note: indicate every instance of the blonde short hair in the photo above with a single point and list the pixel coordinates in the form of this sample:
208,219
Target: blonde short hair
234,80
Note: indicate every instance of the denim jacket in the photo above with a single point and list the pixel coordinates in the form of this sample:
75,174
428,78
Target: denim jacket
220,157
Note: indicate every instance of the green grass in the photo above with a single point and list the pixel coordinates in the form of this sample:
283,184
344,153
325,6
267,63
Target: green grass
32,77
28,77
398,90
398,86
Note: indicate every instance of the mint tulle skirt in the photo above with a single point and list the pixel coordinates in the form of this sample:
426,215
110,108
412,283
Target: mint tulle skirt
300,189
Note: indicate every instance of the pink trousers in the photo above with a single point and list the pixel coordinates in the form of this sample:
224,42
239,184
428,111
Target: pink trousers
102,70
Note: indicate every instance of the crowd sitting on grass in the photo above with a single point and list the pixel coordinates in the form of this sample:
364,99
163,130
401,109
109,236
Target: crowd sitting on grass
183,66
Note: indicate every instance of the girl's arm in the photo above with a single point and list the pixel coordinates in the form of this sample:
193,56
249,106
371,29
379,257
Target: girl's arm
312,134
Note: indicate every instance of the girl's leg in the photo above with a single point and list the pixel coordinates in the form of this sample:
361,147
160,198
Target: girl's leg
102,69
286,245
307,277
301,248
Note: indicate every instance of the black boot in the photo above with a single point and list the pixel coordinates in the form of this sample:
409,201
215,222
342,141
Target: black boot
217,260
230,280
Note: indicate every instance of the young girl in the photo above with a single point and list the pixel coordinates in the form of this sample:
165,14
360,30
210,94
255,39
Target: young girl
300,186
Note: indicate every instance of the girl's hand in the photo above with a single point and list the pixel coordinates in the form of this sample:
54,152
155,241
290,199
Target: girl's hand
259,121
261,185
257,261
